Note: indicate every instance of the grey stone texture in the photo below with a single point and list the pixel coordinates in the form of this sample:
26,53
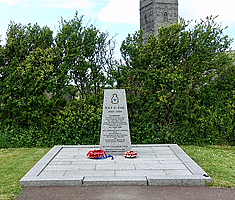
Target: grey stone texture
154,165
156,13
115,131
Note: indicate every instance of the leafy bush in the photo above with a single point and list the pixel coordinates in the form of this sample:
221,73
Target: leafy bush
78,123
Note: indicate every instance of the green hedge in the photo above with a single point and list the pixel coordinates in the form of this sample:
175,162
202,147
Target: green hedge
77,123
190,121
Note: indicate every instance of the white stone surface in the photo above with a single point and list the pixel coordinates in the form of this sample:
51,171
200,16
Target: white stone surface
151,167
115,131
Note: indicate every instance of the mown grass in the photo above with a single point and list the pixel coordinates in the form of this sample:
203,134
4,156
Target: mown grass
14,164
217,161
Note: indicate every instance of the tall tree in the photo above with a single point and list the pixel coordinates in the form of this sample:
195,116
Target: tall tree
25,71
85,54
178,49
175,73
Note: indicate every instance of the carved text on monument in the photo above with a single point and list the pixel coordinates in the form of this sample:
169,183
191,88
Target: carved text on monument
115,134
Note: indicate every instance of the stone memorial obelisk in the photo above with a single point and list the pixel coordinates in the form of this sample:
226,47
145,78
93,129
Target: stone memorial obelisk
115,132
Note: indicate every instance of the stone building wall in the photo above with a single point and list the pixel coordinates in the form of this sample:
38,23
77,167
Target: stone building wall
156,13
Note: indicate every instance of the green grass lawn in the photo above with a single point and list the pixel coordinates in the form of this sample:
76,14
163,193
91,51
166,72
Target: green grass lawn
14,164
217,161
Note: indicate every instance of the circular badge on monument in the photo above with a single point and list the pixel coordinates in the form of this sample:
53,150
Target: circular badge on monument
115,99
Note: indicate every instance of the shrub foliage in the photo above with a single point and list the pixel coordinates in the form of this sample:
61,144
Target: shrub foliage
180,84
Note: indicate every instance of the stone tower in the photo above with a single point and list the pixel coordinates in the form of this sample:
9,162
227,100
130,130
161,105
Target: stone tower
156,13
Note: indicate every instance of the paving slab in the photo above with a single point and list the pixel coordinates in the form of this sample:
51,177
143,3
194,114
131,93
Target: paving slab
160,164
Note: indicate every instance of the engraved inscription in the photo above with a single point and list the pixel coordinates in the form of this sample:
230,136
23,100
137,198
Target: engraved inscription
115,134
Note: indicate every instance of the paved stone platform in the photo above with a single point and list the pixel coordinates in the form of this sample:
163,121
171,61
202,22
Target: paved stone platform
154,165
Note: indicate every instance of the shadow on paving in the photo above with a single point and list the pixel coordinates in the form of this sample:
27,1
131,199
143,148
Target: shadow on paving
128,192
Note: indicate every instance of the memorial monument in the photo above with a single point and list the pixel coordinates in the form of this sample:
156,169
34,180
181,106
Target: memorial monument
115,131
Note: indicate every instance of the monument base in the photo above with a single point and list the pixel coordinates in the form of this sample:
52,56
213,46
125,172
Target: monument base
154,165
